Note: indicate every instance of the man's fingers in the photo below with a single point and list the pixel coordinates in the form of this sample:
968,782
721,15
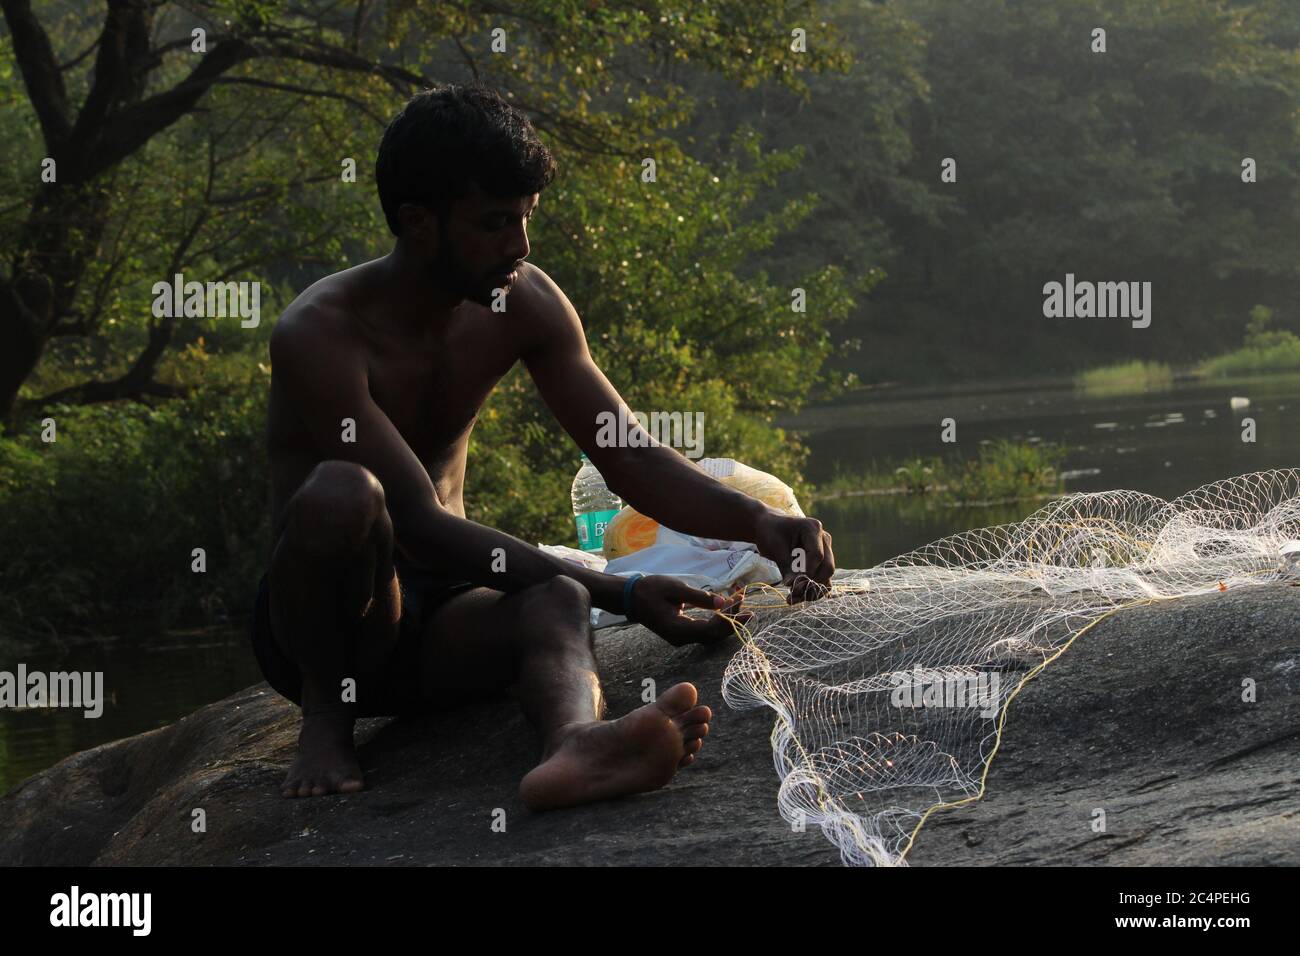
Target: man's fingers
695,597
805,588
707,630
799,589
713,628
815,581
820,572
828,561
811,538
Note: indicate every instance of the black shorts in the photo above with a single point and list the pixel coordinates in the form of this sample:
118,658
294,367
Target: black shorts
423,592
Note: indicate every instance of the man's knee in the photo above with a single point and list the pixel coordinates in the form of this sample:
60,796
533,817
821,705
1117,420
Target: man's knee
564,592
336,511
558,610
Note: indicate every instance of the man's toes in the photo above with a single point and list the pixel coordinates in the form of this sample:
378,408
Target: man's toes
678,698
344,782
289,789
696,715
693,746
694,731
686,761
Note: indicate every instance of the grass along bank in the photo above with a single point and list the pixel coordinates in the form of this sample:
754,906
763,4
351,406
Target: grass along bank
1002,471
1264,350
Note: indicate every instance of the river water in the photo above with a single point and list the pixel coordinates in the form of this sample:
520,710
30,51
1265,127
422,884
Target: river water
1162,443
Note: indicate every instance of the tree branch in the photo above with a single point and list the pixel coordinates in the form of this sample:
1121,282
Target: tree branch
40,72
359,24
134,126
469,60
88,393
137,124
123,45
269,192
79,57
305,91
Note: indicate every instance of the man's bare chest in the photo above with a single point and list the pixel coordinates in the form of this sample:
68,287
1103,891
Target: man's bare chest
433,392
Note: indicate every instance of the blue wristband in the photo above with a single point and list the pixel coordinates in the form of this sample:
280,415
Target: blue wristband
627,594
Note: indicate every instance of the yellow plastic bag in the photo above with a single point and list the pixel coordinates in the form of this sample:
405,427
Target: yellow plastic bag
629,531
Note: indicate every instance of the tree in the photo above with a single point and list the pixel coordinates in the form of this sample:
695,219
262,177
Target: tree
1122,165
97,101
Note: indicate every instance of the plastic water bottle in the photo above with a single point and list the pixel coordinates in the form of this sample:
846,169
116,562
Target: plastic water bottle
594,505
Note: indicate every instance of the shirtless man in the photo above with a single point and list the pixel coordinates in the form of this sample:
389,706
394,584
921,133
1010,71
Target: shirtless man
381,597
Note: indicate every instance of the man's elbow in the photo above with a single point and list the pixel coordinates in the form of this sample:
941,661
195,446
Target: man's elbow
420,531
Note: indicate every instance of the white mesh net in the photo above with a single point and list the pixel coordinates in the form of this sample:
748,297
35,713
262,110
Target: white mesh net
889,692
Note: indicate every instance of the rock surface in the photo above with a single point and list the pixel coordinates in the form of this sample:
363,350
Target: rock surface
1142,717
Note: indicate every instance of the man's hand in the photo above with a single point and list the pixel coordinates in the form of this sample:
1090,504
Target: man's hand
801,548
657,602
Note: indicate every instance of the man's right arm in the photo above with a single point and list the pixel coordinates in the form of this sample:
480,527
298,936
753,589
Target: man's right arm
326,380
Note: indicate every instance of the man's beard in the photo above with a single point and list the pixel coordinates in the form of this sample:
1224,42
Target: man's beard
451,276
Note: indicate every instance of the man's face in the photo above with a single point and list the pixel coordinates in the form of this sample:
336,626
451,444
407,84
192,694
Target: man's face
477,247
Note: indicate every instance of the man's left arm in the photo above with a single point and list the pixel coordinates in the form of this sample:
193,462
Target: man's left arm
656,480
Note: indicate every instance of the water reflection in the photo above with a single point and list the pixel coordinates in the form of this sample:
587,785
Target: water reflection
148,683
1162,443
872,529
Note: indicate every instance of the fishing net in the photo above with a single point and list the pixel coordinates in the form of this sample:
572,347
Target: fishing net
890,691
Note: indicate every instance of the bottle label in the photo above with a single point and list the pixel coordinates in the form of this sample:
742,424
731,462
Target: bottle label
591,528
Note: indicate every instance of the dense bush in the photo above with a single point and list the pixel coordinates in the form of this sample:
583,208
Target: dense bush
99,525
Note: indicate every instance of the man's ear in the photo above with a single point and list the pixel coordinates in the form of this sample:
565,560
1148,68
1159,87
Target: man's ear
419,225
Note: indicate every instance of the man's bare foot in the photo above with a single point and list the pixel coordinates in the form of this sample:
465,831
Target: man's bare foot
602,759
326,761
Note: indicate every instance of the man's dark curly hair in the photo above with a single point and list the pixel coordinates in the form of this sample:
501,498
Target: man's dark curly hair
451,136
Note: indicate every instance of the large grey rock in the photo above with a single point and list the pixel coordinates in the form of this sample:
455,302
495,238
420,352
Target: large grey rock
1142,717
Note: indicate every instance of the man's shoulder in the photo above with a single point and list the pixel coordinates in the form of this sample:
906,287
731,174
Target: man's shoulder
316,321
541,299
324,308
327,306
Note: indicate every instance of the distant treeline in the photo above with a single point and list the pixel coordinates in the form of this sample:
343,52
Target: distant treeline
1123,165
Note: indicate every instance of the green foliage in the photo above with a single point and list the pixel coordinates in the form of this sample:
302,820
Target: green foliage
1126,378
1002,471
917,476
1007,470
1117,165
1264,350
1258,333
655,270
249,188
1282,356
99,524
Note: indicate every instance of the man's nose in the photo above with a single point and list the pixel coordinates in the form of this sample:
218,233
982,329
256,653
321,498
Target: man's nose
519,248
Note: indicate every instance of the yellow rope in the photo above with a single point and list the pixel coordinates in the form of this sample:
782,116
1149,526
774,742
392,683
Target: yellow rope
1002,717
